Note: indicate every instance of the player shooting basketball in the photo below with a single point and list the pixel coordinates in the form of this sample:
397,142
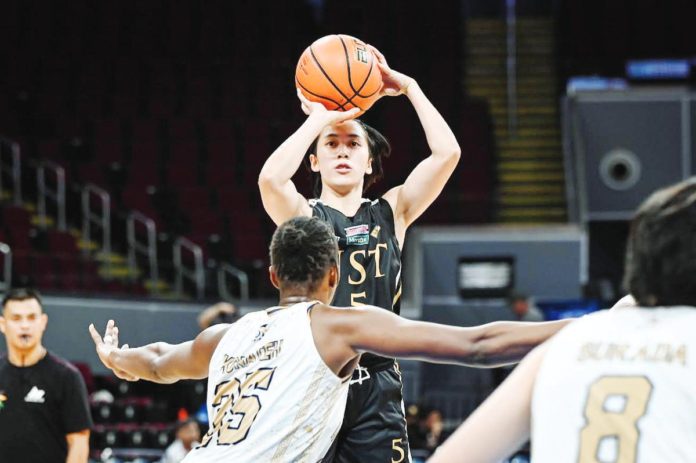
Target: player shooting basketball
346,158
278,378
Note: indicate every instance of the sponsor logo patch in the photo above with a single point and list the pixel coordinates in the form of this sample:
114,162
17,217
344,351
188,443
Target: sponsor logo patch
358,235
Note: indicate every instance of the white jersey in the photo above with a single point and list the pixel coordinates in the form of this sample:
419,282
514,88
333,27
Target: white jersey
271,397
618,386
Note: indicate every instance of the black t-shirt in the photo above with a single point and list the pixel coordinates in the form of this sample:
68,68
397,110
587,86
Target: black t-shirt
39,405
370,259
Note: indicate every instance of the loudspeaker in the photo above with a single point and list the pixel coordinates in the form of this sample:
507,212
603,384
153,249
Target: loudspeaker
622,146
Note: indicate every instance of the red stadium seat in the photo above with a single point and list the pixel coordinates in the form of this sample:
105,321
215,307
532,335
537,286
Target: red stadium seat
221,173
15,219
108,150
125,105
92,173
182,129
136,197
199,101
184,151
107,129
146,130
182,174
145,151
219,130
221,150
193,198
205,222
61,242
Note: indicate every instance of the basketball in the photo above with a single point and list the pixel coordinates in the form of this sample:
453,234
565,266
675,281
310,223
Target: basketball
340,72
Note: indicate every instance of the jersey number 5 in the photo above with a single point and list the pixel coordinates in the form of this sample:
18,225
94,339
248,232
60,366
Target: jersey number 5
236,406
618,420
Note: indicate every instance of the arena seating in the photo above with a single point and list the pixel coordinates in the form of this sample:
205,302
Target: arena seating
138,419
173,107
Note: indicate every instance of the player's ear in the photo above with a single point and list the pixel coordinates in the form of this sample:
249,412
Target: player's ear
314,162
2,324
274,277
333,276
44,321
369,166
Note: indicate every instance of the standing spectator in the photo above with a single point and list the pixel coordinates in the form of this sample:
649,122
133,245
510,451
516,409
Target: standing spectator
188,434
44,415
222,312
524,309
433,426
425,433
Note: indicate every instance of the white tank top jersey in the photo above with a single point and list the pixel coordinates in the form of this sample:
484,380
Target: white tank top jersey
618,386
271,397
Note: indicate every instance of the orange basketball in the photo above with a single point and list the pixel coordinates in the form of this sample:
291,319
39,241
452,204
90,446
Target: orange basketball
340,72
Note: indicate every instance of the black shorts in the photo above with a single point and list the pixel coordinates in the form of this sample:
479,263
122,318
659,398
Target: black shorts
374,425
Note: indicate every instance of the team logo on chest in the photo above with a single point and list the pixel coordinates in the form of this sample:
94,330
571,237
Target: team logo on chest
358,235
263,329
3,399
35,395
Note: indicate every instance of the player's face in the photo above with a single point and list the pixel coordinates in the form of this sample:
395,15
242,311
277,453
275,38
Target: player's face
23,323
343,156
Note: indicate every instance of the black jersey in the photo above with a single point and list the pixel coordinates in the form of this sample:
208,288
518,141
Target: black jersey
370,258
39,405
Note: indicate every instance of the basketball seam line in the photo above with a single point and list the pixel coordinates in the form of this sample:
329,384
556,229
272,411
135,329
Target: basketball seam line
365,83
348,100
350,80
317,95
345,51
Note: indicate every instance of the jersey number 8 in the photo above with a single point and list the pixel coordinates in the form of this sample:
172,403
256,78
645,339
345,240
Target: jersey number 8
619,423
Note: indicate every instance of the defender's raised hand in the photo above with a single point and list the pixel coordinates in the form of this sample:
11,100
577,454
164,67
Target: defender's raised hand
107,345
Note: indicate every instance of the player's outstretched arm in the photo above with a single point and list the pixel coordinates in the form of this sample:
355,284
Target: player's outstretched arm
280,197
506,414
158,362
427,180
371,329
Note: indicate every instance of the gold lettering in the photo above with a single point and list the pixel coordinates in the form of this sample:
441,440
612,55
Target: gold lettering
357,266
663,353
642,354
589,351
656,353
616,351
354,296
378,271
680,355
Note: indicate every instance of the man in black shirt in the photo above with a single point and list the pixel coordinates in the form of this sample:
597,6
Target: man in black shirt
44,415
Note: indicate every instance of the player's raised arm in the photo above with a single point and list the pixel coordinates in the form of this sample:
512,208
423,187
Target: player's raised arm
370,329
278,193
427,180
158,362
506,414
